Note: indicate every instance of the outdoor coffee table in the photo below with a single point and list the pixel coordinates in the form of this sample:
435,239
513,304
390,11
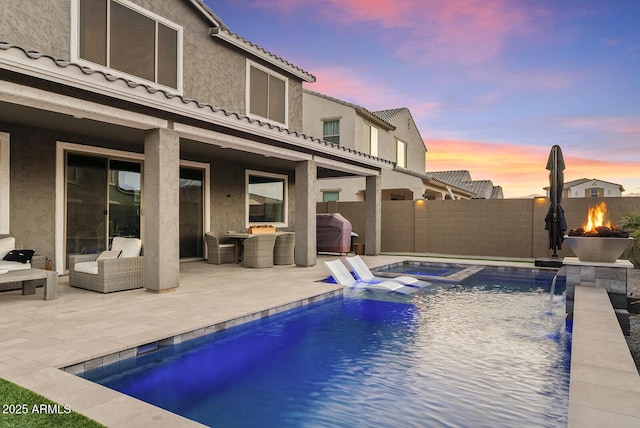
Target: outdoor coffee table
26,276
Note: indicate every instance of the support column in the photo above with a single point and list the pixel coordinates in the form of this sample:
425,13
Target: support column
373,215
305,252
161,210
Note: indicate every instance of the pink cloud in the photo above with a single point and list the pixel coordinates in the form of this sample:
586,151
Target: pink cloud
350,85
461,31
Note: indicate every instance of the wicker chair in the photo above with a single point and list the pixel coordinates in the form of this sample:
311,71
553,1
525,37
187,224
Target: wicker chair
113,274
258,251
283,252
218,252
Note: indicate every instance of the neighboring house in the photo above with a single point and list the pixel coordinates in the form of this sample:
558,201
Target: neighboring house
587,188
387,134
152,119
480,189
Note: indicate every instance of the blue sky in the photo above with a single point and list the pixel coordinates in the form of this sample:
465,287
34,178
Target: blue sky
492,84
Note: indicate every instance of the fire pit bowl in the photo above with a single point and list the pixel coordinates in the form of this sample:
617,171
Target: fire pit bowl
597,249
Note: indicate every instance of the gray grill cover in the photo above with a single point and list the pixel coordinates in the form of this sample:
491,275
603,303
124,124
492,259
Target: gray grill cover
333,233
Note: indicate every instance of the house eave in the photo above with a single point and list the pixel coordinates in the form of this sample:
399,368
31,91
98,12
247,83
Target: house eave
253,49
179,109
208,14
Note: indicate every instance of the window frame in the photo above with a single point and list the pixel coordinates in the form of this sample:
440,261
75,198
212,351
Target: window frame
401,153
285,197
272,73
75,45
369,148
334,136
331,192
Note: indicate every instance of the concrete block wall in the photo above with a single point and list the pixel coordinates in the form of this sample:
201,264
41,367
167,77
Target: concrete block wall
476,227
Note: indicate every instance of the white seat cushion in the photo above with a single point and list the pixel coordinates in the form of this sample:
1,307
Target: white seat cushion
5,265
227,245
6,245
87,267
130,247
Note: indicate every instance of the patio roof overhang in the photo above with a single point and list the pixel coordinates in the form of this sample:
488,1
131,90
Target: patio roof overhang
37,90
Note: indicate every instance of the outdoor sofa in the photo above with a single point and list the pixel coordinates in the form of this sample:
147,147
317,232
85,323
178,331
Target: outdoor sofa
26,260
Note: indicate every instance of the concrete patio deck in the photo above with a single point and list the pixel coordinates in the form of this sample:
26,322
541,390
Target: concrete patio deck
39,337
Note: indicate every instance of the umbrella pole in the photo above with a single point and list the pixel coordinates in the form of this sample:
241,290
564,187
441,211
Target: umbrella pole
554,221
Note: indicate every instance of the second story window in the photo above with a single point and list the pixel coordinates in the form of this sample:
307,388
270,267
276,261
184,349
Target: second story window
401,153
370,140
331,131
266,94
119,35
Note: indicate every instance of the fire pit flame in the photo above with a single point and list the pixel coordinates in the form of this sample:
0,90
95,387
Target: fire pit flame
598,226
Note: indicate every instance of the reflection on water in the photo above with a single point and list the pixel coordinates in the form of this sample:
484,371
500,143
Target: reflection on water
470,355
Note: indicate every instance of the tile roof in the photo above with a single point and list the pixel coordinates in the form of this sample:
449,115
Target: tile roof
252,48
451,177
362,110
462,179
572,183
223,32
391,114
586,180
47,62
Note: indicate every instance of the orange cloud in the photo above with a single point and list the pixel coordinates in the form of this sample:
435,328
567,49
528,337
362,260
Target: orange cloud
520,170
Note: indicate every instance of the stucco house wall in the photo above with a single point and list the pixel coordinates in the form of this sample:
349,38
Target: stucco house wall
604,189
352,124
213,71
52,104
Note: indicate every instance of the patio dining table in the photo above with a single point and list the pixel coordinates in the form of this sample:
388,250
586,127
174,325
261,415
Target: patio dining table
238,238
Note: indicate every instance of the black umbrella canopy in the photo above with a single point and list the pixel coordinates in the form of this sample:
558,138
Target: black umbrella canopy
555,221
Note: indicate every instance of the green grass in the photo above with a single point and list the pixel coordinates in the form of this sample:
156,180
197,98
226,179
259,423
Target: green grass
24,408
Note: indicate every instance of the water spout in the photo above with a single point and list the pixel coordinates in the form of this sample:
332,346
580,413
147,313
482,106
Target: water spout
557,332
553,290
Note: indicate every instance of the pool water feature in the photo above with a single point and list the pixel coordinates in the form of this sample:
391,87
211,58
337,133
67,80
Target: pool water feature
477,354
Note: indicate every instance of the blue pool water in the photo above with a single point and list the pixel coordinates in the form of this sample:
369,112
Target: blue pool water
482,353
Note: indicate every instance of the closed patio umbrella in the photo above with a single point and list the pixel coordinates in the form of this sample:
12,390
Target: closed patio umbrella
555,221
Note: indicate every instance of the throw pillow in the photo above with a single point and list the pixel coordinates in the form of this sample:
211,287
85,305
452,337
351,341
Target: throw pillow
22,256
109,255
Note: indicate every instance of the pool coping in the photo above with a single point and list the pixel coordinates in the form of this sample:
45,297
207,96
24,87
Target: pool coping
604,385
78,368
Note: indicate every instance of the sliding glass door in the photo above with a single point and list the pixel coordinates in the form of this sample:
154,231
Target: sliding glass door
191,212
102,201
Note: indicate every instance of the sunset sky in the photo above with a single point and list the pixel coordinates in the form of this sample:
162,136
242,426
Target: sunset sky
491,84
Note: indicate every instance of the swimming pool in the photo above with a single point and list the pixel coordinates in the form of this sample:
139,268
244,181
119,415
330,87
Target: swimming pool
480,353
